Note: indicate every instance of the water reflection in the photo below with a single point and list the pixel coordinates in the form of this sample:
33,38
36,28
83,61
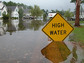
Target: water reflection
74,54
12,26
2,28
56,52
30,24
26,45
19,25
15,23
35,25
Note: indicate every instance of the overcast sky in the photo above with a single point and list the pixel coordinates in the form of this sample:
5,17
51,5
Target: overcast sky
48,4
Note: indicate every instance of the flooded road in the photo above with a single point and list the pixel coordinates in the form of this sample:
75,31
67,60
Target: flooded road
24,42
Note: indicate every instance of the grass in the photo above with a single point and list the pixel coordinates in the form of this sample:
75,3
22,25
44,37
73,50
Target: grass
78,33
72,22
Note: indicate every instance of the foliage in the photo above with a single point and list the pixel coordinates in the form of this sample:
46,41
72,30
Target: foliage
9,13
74,1
36,24
20,13
61,12
36,11
5,17
68,14
53,11
23,5
21,26
58,11
29,7
14,17
10,3
45,14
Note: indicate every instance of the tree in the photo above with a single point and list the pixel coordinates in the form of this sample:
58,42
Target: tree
74,1
45,14
77,2
68,14
61,12
53,11
9,13
20,13
10,3
36,11
29,7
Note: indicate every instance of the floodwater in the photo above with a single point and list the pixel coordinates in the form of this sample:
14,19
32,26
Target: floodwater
24,42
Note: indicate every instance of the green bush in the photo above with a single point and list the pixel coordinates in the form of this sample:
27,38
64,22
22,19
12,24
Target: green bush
14,17
5,17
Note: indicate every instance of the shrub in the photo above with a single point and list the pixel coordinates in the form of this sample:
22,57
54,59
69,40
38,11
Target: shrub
14,17
5,17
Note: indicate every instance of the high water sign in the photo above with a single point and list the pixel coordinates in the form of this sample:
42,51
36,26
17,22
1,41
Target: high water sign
57,28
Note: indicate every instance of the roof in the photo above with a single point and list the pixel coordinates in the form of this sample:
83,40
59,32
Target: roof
11,7
26,10
2,8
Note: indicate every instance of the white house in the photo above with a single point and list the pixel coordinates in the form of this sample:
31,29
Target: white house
3,9
14,10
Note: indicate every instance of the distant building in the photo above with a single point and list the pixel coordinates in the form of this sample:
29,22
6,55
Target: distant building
3,9
14,10
81,16
27,13
50,15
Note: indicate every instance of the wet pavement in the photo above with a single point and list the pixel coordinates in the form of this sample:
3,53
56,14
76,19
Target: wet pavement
24,42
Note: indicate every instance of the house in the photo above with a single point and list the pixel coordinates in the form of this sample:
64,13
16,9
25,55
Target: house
27,14
3,9
14,11
81,16
50,15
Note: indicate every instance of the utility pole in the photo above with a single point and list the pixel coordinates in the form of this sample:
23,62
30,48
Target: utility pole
77,12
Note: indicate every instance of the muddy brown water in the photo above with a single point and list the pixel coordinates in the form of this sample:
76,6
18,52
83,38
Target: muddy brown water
28,44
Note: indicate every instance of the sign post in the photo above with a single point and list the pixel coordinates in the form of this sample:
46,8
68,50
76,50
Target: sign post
57,28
